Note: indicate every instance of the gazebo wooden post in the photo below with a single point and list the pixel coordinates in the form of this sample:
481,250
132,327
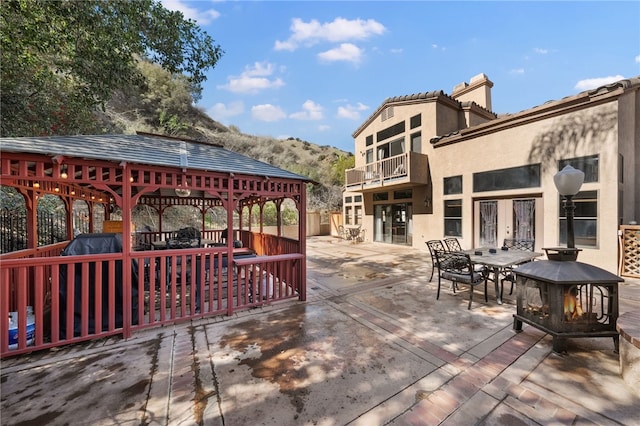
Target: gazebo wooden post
230,206
261,217
31,204
68,213
279,217
92,221
126,205
302,237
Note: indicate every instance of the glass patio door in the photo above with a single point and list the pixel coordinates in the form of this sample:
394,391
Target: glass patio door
496,220
392,223
488,223
382,215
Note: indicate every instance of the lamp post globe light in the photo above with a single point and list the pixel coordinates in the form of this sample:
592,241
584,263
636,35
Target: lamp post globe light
568,182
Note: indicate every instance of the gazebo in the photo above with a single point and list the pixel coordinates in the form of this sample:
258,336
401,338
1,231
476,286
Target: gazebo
127,279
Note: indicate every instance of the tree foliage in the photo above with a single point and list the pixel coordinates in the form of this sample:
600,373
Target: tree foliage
62,59
342,163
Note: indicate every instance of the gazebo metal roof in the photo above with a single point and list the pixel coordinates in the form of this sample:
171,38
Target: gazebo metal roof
147,149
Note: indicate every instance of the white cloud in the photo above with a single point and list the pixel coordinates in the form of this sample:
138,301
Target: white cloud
345,52
592,83
253,79
517,71
638,59
202,17
324,127
267,112
221,111
313,32
351,112
259,69
310,111
540,51
397,50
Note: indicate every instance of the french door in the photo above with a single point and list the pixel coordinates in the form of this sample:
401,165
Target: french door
514,218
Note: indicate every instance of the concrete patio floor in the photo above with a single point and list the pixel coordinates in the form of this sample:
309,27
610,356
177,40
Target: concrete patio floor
370,346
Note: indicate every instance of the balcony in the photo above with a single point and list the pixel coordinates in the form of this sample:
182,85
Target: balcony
403,169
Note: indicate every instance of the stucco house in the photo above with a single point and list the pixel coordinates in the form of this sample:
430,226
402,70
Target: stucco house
435,165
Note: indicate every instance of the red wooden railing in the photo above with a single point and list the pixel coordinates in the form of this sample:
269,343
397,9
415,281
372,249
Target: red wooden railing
103,298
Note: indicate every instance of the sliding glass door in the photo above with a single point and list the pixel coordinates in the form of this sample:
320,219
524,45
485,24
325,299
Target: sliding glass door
393,223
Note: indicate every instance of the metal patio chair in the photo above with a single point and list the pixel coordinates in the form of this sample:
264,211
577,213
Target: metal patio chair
515,244
433,246
457,268
453,244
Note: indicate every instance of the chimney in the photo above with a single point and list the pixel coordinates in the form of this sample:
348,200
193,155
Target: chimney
478,90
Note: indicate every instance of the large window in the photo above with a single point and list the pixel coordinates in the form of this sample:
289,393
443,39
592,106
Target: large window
380,196
415,121
512,178
353,210
405,193
588,165
357,219
416,142
453,218
347,215
453,185
390,132
585,223
391,149
369,158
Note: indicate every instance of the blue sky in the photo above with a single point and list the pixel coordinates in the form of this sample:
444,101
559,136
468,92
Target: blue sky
315,70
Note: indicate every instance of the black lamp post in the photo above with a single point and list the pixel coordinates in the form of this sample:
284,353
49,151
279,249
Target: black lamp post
568,182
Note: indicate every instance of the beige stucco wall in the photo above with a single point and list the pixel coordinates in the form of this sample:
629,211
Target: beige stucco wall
606,126
575,134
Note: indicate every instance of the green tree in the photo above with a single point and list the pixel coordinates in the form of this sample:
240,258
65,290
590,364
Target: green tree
172,125
164,91
342,163
62,59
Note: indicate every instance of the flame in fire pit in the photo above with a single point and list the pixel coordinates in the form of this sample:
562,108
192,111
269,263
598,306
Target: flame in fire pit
572,308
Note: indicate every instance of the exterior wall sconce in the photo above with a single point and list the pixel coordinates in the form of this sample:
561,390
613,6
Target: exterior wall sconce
568,182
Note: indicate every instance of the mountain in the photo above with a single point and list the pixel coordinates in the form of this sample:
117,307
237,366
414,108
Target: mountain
128,113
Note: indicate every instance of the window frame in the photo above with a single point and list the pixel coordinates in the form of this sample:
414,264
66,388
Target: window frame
581,221
449,219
